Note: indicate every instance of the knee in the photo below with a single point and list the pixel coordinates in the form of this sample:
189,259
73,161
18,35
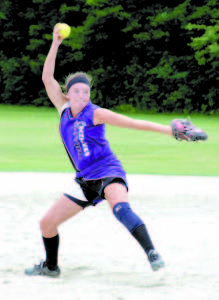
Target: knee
46,224
123,212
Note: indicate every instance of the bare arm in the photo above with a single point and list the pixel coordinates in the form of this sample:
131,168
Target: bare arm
105,116
52,86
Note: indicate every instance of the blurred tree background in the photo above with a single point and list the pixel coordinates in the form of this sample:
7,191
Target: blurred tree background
161,56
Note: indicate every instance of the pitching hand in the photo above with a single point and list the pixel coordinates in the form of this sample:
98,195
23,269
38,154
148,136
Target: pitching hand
57,38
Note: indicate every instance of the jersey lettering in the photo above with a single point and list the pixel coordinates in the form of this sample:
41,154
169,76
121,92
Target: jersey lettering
79,143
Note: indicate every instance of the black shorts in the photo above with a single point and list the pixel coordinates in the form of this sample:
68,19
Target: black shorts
93,190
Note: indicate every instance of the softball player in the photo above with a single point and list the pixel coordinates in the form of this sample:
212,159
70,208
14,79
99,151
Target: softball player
99,174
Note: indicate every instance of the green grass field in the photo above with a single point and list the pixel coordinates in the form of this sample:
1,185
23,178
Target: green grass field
30,142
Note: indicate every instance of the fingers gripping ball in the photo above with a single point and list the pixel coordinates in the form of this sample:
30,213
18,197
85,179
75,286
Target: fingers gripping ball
64,30
183,129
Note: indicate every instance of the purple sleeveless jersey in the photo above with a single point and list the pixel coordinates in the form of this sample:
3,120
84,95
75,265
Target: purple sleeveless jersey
87,146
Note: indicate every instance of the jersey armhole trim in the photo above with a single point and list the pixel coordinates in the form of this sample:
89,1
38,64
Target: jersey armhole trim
63,107
92,120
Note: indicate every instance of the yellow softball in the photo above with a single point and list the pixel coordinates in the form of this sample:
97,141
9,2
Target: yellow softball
64,30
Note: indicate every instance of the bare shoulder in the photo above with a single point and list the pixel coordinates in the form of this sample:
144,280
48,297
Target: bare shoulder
55,93
63,107
101,115
106,116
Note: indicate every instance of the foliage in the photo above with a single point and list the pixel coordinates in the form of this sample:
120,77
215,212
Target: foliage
158,56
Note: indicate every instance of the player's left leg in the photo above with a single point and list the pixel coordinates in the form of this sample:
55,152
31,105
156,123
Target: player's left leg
63,209
117,196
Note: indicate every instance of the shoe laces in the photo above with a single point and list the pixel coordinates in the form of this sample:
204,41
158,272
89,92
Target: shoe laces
153,255
40,265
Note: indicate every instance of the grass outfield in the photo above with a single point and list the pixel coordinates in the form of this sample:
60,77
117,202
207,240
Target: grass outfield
30,142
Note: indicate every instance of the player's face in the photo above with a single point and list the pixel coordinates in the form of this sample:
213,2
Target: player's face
79,95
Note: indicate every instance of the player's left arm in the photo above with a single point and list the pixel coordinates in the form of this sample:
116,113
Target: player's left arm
105,116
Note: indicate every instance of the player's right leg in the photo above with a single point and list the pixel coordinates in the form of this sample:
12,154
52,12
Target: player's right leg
116,194
62,210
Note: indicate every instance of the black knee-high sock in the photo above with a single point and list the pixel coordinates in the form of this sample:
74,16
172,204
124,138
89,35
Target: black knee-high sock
142,236
51,247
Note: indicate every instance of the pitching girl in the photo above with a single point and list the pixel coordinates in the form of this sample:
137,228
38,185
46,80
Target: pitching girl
99,174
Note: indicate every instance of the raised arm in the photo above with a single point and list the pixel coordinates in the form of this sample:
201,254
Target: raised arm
52,86
105,116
